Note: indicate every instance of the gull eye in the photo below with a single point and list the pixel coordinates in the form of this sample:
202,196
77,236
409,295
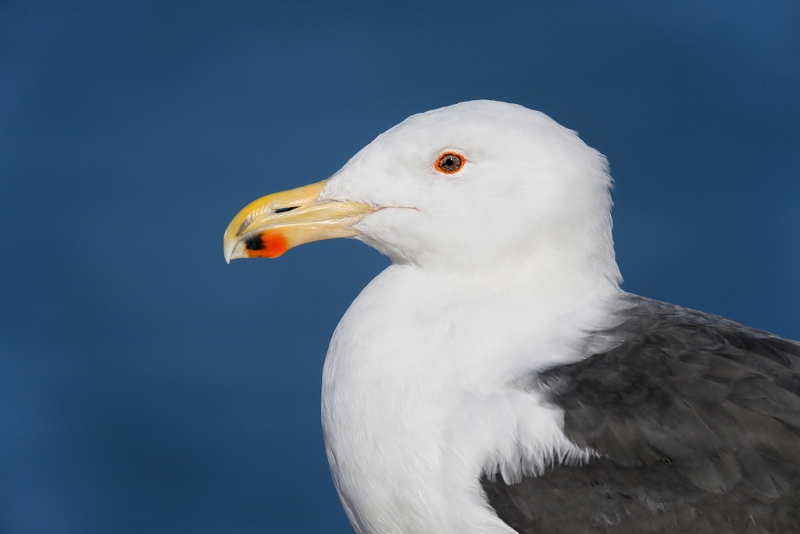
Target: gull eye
450,162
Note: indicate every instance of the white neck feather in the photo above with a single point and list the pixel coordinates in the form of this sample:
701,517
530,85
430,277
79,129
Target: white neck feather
417,400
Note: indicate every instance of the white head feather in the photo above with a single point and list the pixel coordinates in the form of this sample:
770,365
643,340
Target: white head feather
530,189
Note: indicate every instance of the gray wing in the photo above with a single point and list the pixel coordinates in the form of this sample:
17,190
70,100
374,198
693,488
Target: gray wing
696,420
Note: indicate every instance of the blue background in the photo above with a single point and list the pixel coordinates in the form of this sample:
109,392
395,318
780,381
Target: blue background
146,386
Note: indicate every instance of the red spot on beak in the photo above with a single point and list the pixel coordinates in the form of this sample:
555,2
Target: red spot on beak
273,244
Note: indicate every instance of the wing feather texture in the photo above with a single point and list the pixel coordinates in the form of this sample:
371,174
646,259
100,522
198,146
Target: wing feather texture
695,420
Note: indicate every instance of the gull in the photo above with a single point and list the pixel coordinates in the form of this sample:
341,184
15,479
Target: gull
495,378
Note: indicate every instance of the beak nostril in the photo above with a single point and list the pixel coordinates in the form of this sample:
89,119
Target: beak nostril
284,210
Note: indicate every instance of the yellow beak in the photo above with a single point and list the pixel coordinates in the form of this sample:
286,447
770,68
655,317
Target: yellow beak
273,224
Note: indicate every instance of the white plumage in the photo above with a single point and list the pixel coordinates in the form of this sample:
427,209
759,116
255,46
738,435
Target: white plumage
496,270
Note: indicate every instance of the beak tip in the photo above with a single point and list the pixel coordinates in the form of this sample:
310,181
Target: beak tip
234,249
228,251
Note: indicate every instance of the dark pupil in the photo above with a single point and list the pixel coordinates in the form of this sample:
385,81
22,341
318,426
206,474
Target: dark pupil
450,163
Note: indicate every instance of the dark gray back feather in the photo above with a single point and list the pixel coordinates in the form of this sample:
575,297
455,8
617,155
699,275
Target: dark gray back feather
696,421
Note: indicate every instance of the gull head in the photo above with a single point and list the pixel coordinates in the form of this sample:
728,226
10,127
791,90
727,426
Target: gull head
462,188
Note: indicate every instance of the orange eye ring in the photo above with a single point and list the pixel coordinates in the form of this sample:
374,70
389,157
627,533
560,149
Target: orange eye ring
450,163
